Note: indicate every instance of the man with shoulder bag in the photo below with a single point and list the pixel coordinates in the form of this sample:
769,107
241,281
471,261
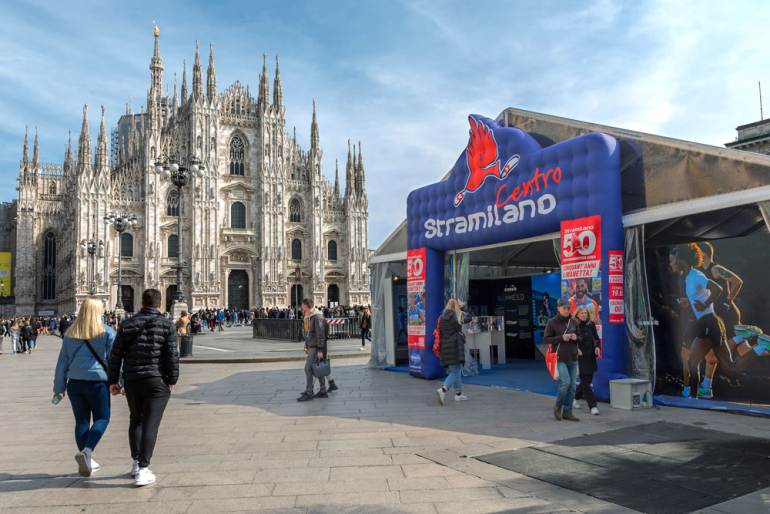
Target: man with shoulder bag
316,349
146,350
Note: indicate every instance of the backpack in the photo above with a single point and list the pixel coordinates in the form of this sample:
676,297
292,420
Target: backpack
437,339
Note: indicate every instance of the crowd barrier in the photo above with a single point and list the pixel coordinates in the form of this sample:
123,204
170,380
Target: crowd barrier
292,329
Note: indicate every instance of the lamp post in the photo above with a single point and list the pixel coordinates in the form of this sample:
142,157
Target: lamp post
120,222
92,246
180,175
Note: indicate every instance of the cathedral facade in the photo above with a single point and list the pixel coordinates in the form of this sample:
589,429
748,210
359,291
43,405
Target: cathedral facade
263,226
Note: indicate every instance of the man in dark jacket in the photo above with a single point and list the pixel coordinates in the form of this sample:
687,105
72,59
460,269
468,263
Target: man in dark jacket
560,334
145,348
316,349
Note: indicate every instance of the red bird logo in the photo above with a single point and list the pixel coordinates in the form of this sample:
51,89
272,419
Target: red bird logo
483,159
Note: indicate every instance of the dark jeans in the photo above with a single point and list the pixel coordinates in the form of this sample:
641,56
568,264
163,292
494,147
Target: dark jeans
89,400
585,391
567,378
364,336
147,399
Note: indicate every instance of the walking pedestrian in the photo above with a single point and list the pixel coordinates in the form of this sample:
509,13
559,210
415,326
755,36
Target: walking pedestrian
81,371
560,333
182,328
452,349
366,326
145,349
316,349
588,350
15,336
26,336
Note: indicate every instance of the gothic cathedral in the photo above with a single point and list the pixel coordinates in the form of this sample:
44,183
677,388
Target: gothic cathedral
261,227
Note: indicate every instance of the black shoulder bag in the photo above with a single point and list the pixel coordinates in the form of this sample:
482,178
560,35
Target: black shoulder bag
98,357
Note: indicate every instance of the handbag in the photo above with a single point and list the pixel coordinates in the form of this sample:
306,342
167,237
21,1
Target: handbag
321,368
437,340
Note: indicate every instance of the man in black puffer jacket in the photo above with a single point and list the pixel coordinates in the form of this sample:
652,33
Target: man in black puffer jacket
145,348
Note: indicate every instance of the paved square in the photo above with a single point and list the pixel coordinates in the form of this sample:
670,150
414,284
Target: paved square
235,439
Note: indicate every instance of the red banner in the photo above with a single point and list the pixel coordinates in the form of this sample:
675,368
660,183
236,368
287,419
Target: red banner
581,247
616,291
415,287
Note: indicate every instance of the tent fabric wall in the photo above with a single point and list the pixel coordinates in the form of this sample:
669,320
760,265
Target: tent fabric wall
380,273
638,312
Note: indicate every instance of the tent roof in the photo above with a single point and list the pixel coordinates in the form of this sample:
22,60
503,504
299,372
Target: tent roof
662,177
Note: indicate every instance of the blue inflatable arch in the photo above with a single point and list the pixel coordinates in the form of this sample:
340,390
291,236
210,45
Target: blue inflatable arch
505,187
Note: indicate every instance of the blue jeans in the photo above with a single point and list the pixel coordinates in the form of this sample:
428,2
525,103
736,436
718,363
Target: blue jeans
89,399
454,377
567,381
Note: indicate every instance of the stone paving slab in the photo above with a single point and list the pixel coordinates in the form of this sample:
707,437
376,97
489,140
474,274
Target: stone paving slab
234,439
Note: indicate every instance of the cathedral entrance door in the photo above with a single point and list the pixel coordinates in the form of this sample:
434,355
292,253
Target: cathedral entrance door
333,294
170,293
238,289
127,296
296,295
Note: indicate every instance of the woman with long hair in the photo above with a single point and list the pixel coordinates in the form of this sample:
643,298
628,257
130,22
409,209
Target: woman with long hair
589,348
81,372
452,349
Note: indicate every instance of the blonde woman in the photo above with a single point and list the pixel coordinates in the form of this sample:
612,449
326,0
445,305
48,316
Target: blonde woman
82,372
452,349
589,348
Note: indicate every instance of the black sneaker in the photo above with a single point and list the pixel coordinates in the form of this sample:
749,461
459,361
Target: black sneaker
321,394
305,397
332,386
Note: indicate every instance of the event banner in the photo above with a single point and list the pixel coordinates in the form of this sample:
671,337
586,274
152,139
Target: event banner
5,273
415,287
616,290
581,247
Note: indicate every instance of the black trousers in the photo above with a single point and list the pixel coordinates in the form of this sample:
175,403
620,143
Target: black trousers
147,399
585,391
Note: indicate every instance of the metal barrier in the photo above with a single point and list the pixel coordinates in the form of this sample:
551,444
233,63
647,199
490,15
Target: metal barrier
277,328
292,329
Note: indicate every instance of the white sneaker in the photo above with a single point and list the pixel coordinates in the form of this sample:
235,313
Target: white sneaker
595,411
575,404
460,397
144,477
95,466
441,396
134,468
363,348
84,463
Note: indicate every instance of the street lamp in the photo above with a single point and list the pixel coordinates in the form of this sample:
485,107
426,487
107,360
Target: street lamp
92,247
180,175
121,222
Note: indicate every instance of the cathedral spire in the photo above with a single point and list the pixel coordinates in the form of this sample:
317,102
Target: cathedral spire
349,180
156,66
68,150
277,90
211,79
197,91
183,92
360,175
337,179
35,150
84,143
25,149
101,146
174,99
314,137
264,92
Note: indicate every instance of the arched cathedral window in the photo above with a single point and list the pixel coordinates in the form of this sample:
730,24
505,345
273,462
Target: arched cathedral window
172,203
237,156
52,188
49,267
331,250
237,215
296,250
126,245
173,246
295,211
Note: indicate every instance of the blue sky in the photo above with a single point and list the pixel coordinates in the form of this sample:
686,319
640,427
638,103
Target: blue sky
401,76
